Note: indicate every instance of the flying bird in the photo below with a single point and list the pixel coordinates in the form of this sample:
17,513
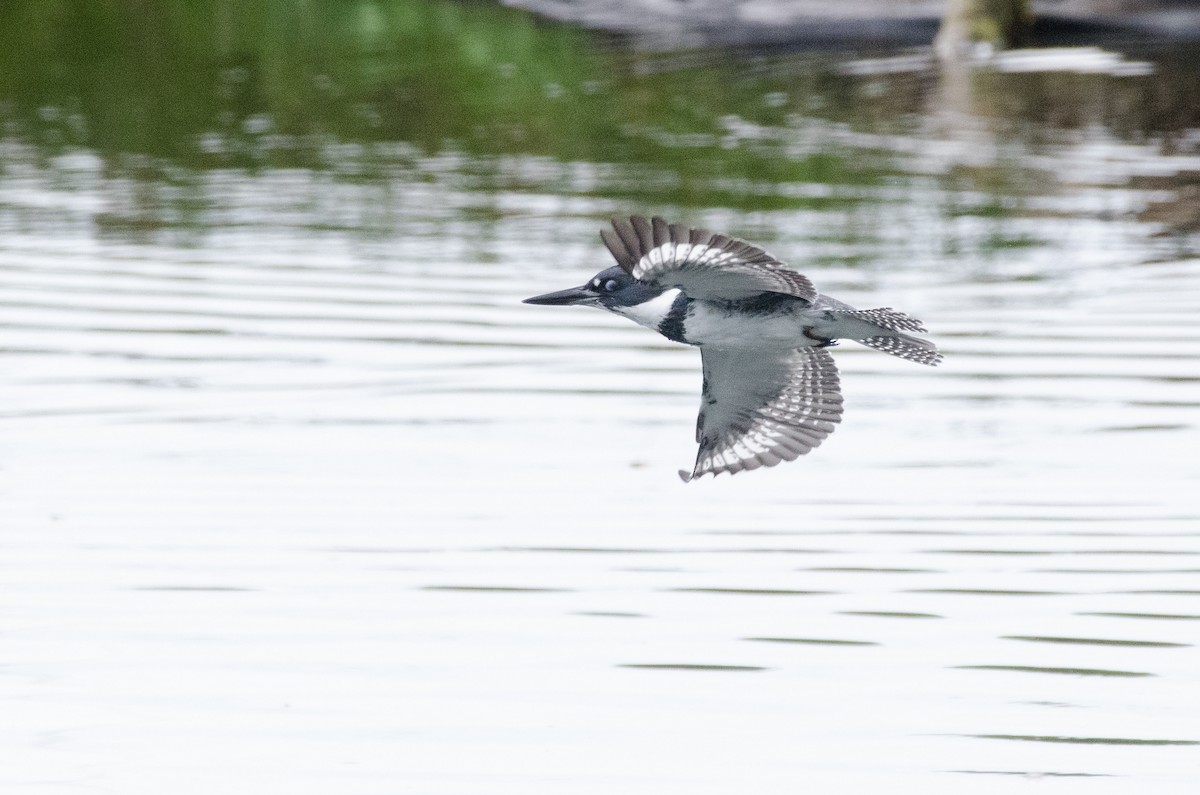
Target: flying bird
771,391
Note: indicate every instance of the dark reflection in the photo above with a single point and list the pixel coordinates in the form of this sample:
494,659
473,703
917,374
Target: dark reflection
1099,641
1160,592
1080,740
1038,669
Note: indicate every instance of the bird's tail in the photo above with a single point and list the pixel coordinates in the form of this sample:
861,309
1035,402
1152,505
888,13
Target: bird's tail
891,337
914,349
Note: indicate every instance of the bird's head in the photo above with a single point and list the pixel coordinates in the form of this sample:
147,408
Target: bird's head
612,289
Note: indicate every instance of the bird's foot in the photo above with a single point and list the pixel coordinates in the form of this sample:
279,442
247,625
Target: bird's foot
822,342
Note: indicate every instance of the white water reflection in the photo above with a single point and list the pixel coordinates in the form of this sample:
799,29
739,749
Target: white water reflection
306,500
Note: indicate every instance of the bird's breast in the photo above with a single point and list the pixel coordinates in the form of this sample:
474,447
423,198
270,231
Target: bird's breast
726,325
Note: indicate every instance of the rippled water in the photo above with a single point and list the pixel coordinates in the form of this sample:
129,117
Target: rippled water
297,496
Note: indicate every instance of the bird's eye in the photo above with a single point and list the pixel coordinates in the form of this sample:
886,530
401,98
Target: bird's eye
610,285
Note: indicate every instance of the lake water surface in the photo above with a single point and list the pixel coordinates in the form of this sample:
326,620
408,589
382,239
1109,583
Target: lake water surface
296,495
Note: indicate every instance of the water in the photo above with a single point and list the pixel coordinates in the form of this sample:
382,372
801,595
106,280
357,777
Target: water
297,496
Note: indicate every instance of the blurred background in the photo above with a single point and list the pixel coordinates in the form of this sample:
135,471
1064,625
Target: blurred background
296,495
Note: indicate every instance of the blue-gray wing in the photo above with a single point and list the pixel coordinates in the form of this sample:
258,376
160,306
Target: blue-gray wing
759,408
701,264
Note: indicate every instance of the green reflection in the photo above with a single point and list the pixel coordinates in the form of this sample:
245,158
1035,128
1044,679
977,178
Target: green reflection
395,93
278,84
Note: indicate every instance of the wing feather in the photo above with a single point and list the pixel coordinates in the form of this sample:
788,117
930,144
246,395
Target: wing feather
616,246
629,238
701,264
645,233
763,407
662,232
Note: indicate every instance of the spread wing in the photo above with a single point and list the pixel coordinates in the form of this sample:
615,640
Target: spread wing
762,407
701,264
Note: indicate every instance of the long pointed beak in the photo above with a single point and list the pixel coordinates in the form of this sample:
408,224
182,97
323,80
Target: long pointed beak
572,295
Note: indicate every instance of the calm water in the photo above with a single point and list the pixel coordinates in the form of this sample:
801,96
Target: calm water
297,497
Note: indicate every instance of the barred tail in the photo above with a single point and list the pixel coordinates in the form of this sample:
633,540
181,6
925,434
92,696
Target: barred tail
883,329
914,349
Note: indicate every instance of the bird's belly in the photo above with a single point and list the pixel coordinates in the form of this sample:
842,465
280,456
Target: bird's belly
716,327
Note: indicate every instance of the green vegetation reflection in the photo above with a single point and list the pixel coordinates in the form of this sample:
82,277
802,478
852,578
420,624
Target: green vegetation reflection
181,100
222,84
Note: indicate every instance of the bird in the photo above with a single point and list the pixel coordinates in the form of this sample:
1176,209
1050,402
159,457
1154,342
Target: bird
770,390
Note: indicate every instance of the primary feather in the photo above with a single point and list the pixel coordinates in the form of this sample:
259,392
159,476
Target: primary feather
701,264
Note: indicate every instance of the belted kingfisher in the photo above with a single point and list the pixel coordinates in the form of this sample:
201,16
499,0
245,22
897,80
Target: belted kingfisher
771,390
